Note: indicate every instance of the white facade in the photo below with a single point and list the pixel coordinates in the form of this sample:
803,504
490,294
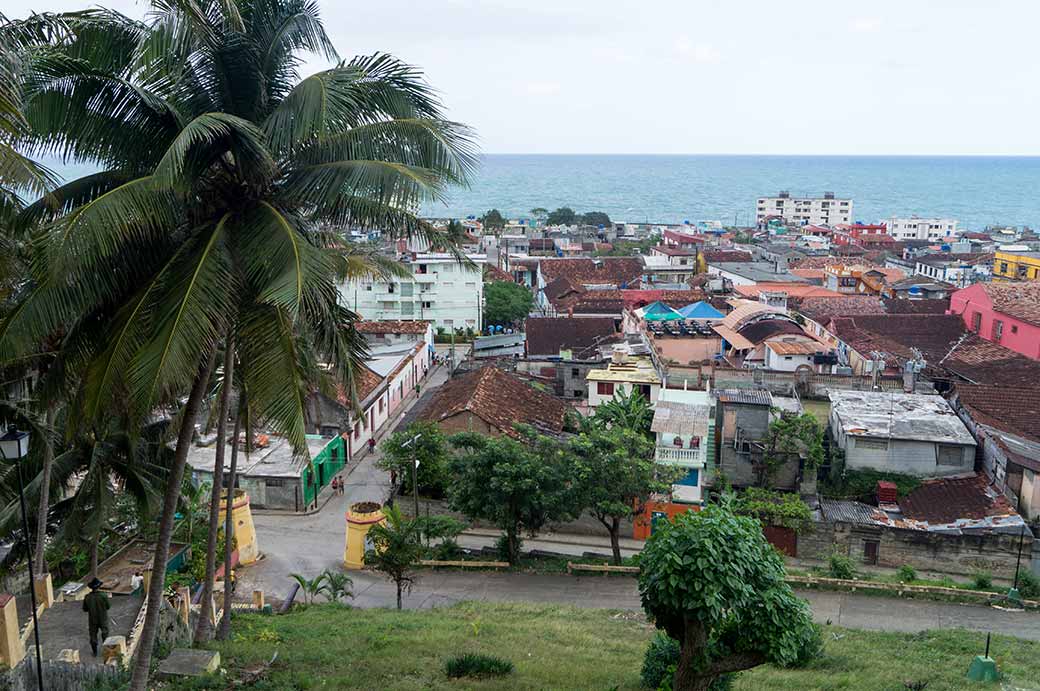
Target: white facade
681,423
922,228
825,210
441,290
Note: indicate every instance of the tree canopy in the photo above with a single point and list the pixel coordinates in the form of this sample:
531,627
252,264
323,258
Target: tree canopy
431,450
506,303
518,486
712,582
595,218
493,220
563,216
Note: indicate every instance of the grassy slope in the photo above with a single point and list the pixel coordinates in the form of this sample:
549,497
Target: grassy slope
331,647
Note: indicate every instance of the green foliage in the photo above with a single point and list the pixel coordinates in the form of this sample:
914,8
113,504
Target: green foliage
432,451
493,220
792,436
446,550
629,410
662,655
595,218
982,580
907,573
563,216
614,474
710,580
861,485
518,486
477,665
840,566
1028,584
506,303
810,647
397,549
337,585
784,509
311,587
629,248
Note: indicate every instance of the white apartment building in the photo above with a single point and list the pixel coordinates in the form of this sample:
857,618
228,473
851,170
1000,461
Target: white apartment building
915,228
441,291
825,210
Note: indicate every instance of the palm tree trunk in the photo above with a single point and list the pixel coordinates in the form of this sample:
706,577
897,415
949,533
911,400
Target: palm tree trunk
224,630
142,664
204,625
40,567
94,543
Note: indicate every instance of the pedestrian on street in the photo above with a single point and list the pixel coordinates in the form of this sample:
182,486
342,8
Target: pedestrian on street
335,486
340,487
96,605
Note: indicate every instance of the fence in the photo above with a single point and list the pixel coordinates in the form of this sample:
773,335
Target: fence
59,676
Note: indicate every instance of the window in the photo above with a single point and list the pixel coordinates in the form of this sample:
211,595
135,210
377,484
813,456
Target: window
1014,329
695,442
390,288
605,388
274,482
578,393
427,304
998,329
948,454
787,357
380,404
406,289
976,321
357,430
574,372
420,269
872,444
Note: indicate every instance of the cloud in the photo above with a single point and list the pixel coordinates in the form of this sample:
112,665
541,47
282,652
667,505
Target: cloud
543,88
700,53
866,25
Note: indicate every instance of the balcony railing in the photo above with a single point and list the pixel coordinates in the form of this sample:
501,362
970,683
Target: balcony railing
684,457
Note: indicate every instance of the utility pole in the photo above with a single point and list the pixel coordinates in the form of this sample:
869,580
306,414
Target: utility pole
415,471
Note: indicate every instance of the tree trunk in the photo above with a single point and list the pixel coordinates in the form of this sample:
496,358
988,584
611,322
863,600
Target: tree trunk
688,673
204,625
40,567
94,543
615,539
142,664
512,547
224,629
399,595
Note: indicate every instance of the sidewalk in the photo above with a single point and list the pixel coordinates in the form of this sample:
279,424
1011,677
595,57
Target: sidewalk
563,543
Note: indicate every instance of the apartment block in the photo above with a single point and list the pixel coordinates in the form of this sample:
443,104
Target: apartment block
915,228
825,210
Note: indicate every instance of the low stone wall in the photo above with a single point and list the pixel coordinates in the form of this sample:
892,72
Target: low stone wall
59,676
585,525
957,555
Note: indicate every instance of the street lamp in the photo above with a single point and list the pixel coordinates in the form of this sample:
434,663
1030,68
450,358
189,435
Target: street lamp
14,446
415,471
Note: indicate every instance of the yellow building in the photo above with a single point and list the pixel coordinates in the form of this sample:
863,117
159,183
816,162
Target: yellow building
1014,264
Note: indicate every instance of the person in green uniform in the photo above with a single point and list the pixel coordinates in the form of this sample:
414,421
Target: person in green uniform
96,604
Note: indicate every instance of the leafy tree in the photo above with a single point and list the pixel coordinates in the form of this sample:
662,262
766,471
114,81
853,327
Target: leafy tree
564,216
515,485
713,583
397,549
614,474
791,437
595,218
493,220
540,214
506,303
629,410
221,173
431,449
784,509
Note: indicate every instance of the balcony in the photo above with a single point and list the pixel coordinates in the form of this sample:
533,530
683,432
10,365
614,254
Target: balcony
687,458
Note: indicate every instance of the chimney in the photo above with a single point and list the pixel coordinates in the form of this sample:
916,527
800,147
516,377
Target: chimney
887,492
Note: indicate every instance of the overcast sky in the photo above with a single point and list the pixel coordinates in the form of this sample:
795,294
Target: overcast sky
705,76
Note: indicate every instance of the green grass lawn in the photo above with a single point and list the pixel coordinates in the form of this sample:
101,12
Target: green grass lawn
333,647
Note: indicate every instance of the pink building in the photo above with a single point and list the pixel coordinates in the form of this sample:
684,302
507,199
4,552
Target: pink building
1004,313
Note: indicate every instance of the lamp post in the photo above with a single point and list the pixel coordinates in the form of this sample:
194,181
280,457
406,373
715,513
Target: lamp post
14,446
415,472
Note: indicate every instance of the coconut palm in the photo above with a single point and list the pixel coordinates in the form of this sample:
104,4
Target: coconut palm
223,178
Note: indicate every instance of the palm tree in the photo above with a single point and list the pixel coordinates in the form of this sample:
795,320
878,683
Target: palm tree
629,411
397,548
221,176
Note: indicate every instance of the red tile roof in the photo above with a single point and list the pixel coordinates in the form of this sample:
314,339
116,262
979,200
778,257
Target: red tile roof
493,273
793,290
903,306
1019,299
723,256
945,500
499,399
391,326
821,309
674,251
1009,408
581,335
616,271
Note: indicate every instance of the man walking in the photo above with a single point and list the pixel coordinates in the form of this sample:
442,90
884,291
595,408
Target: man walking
96,605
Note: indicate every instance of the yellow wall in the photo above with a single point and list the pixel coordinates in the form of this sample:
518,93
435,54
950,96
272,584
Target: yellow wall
1006,265
245,533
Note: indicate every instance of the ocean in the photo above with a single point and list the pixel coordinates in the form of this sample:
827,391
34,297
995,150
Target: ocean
976,190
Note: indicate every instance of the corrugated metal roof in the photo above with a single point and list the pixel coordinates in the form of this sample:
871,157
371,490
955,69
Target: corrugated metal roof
680,418
745,396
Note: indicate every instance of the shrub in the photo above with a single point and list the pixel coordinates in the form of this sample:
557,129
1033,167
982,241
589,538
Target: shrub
447,550
502,546
809,648
840,566
982,580
1028,584
907,573
661,656
477,665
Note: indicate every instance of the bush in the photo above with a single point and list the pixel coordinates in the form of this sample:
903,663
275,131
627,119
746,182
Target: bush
447,550
809,648
661,656
907,573
502,546
477,665
840,566
1028,585
982,580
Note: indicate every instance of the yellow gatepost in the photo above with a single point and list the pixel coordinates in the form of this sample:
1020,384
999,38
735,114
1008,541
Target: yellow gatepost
360,519
245,533
11,649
